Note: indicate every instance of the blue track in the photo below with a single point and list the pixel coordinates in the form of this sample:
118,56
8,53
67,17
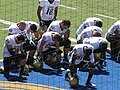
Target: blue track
109,80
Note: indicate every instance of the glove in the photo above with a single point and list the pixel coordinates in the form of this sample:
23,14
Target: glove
42,23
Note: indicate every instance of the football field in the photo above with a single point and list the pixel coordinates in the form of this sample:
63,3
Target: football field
76,11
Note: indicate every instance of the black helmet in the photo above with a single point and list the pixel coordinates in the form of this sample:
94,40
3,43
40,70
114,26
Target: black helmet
98,23
103,45
33,27
87,50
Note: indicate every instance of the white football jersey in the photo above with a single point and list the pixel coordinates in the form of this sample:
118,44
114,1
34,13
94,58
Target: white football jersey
32,22
88,22
94,41
115,26
47,37
78,51
10,40
13,29
55,27
88,32
47,12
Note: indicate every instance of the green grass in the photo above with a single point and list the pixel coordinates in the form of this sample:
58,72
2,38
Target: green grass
16,10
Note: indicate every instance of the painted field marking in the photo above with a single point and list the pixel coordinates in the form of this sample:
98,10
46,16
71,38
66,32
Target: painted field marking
68,7
6,22
4,29
26,86
106,16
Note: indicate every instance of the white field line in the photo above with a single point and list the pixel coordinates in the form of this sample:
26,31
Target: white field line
106,16
6,22
9,23
68,7
4,29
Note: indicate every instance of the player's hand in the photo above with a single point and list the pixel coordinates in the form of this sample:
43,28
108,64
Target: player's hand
41,23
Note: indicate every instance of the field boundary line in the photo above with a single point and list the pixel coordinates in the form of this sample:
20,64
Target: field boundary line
68,7
106,16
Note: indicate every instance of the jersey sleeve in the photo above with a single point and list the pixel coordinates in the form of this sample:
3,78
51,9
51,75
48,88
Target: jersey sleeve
51,28
45,38
42,3
57,3
7,42
80,29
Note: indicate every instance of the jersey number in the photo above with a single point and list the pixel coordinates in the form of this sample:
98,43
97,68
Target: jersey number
49,11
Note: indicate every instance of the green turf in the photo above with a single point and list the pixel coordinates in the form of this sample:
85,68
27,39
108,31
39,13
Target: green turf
15,10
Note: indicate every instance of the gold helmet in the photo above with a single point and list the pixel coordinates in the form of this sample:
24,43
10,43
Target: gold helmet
37,65
73,82
26,69
42,30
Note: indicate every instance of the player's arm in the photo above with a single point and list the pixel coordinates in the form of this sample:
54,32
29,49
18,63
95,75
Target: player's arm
37,35
74,58
66,34
38,12
57,45
41,47
9,47
55,13
80,29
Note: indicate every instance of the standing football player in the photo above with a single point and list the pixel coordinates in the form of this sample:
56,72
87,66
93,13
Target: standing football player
47,11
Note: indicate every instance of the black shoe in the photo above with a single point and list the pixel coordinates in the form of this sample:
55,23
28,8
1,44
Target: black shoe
90,84
23,76
6,75
101,68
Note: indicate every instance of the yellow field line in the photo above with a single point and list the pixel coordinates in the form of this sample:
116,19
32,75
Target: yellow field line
20,85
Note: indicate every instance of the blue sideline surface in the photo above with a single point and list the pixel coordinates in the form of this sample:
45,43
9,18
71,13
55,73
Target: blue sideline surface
51,79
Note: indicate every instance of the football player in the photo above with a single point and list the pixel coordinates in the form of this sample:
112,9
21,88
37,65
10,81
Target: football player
47,11
63,28
13,51
27,28
113,36
100,48
49,44
82,57
91,21
92,31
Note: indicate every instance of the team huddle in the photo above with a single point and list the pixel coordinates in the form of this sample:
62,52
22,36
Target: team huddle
29,44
